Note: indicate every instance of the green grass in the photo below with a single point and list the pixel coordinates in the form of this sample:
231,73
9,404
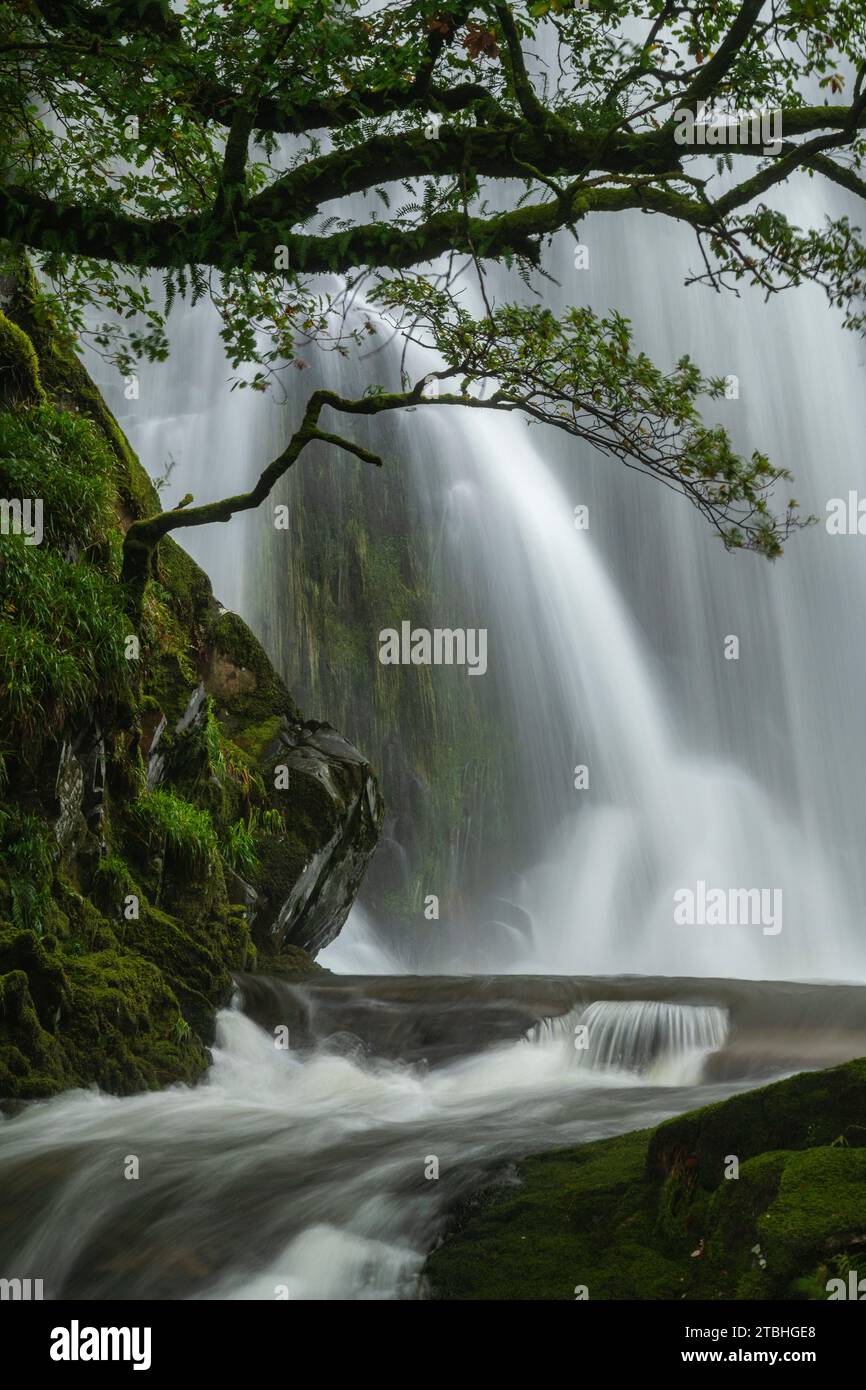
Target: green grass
183,829
62,631
26,858
238,848
63,460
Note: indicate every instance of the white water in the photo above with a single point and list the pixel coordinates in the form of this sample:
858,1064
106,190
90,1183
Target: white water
660,1042
743,774
283,1176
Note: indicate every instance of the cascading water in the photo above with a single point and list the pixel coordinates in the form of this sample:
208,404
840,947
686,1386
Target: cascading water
665,1043
701,769
302,1174
278,1172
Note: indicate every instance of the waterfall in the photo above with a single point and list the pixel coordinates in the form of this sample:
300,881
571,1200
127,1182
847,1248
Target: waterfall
662,1042
741,775
606,645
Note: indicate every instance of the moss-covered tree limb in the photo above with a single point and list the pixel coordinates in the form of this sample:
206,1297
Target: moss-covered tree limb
414,126
279,84
580,377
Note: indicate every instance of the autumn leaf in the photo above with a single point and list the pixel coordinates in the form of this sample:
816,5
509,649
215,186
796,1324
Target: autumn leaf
480,42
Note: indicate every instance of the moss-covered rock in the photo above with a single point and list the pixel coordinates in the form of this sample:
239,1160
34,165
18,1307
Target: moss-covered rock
74,1016
19,366
812,1109
660,1214
240,677
140,830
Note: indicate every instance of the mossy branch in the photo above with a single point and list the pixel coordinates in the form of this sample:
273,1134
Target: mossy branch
578,375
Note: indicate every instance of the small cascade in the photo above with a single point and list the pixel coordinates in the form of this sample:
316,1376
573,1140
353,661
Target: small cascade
663,1043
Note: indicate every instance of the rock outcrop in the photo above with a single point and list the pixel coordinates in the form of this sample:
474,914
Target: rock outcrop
655,1214
147,846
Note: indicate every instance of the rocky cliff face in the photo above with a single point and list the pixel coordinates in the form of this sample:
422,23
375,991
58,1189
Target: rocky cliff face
361,553
166,815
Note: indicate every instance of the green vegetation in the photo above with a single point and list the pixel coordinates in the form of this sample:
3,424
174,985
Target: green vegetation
176,827
435,114
652,1215
62,631
19,374
26,851
62,621
122,905
249,689
238,848
37,447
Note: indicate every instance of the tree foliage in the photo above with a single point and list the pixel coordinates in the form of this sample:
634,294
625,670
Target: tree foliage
304,161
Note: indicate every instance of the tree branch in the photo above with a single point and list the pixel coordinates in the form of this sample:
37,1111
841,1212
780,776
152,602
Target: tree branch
714,72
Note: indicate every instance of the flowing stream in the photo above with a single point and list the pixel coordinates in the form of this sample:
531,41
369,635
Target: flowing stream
306,1173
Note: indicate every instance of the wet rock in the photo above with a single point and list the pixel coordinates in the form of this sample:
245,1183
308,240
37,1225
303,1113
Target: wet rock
333,812
194,712
69,794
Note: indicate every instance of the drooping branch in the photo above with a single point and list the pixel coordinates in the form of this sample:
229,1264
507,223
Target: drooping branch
579,376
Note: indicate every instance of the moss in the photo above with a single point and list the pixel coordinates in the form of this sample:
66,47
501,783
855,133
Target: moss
26,855
630,1218
105,1016
66,379
169,670
238,663
806,1208
123,1030
553,1233
62,618
253,739
31,1062
62,640
290,960
112,884
281,861
197,967
94,988
52,455
19,366
186,586
808,1110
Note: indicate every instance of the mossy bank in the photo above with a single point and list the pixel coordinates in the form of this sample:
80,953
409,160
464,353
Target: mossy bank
166,815
668,1214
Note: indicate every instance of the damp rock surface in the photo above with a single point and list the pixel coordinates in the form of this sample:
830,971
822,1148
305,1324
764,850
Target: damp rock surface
146,849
